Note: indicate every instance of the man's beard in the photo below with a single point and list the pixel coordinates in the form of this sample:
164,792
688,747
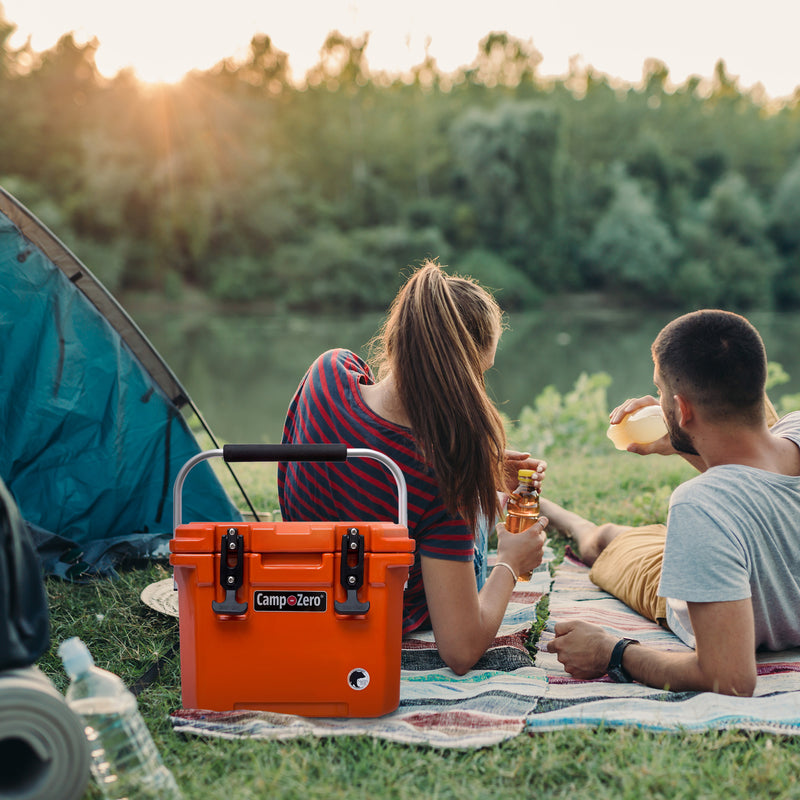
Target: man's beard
677,437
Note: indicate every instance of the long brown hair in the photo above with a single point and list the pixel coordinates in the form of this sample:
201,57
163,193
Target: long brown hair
435,340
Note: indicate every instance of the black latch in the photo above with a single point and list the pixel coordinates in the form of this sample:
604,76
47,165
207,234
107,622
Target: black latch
352,573
231,573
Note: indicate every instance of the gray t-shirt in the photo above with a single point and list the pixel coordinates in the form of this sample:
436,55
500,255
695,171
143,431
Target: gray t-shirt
733,532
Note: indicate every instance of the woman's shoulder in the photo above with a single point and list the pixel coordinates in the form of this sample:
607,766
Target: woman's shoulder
341,360
335,375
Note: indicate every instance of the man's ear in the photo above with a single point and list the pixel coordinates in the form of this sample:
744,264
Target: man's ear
685,410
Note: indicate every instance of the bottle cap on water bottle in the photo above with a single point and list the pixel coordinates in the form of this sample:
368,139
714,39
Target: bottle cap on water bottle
76,656
525,473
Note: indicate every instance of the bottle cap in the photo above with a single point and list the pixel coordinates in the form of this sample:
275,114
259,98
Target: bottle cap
75,656
525,473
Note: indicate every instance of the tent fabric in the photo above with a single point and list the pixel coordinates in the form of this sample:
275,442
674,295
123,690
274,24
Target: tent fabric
92,440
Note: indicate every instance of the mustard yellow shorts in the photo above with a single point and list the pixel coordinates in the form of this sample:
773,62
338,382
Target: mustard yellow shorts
630,569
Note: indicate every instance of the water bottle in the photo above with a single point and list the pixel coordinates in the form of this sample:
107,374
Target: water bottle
125,762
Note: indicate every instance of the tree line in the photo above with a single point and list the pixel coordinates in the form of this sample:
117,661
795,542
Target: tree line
317,195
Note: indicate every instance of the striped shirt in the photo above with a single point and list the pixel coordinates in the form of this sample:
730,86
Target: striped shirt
328,408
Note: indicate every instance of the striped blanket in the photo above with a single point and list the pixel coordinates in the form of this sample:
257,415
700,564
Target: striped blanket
507,694
570,703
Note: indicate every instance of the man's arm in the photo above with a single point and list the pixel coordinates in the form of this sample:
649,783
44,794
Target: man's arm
723,662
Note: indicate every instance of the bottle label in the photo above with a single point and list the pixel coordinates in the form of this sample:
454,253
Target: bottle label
290,601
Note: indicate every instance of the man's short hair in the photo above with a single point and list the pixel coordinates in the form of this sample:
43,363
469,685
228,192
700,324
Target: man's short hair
716,359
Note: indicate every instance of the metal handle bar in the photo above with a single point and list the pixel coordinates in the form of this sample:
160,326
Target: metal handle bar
290,452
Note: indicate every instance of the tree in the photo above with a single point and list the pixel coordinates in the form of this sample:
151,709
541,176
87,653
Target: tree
510,159
728,242
631,248
785,223
504,61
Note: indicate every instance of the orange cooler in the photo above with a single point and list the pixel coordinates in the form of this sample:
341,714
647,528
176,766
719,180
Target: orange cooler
296,617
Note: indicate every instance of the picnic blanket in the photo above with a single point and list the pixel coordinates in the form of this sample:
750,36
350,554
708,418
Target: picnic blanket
508,693
775,706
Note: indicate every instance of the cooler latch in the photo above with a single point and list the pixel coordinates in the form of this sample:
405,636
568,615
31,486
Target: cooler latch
231,573
352,573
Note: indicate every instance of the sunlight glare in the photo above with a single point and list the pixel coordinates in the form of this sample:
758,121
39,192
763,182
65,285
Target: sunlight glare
162,40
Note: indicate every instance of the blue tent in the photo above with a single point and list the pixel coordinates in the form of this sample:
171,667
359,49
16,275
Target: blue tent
93,421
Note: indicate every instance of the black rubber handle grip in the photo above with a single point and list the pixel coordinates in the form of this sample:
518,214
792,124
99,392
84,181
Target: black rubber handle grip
284,452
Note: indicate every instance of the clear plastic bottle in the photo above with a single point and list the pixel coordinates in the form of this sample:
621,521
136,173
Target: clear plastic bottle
522,509
125,762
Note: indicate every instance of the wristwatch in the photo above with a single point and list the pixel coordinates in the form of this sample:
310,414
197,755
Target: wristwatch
615,670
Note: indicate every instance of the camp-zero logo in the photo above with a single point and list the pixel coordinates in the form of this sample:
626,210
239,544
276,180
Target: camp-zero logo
358,679
290,601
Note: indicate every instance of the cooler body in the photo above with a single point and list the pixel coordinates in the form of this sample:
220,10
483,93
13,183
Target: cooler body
295,617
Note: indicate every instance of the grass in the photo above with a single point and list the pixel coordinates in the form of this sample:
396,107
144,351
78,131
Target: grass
127,637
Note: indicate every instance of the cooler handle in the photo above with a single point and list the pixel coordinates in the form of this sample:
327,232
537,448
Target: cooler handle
284,452
290,452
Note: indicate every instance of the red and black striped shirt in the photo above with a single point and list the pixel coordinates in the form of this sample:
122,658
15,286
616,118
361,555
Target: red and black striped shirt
328,408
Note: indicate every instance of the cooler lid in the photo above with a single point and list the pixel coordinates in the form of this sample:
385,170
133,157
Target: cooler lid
291,537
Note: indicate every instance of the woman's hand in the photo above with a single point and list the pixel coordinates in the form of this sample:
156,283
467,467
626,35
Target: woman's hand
515,461
523,550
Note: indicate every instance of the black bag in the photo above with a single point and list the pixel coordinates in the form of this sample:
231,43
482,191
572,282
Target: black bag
24,616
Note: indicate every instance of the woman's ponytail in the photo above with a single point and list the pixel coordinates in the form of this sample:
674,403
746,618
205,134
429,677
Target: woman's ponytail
436,340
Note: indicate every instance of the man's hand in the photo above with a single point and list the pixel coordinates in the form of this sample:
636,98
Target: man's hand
584,649
662,446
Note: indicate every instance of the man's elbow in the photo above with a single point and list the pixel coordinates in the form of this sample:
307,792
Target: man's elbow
743,685
740,688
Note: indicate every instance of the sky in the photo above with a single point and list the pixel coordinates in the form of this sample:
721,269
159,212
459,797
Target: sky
164,39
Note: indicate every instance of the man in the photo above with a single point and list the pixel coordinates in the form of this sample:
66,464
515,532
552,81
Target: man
724,574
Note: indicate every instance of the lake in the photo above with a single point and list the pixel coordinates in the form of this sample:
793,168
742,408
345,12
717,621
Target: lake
241,369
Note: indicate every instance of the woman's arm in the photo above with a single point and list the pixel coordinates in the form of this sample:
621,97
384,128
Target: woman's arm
464,621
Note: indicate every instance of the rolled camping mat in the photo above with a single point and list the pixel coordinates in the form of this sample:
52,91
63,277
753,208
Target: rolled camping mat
44,753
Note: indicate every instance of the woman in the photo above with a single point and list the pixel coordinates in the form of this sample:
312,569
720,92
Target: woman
429,411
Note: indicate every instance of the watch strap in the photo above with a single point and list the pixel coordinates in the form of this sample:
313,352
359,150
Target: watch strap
615,670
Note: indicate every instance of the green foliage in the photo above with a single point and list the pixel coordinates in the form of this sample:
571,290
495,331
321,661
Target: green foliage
680,195
631,248
776,375
570,424
735,263
357,270
510,159
785,209
513,288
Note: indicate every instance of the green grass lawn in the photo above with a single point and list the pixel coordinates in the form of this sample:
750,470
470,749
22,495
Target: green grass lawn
127,637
